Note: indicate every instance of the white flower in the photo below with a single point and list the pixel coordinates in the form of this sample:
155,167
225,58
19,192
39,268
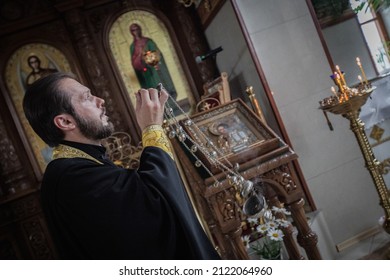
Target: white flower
267,240
252,220
245,239
280,210
275,234
283,223
262,228
272,224
268,215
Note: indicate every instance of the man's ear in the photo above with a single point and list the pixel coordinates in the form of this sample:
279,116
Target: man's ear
65,122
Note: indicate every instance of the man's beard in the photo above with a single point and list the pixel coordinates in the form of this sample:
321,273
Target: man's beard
94,129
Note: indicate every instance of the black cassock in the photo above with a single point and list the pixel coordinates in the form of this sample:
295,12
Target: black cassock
99,211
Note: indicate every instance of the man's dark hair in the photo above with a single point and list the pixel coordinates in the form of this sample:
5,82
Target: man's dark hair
44,100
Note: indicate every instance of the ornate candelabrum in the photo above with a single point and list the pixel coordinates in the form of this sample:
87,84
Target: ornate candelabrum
348,102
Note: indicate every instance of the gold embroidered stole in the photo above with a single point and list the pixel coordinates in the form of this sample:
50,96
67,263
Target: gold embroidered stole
154,136
65,151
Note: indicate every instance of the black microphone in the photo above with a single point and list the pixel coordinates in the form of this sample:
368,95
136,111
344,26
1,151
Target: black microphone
211,53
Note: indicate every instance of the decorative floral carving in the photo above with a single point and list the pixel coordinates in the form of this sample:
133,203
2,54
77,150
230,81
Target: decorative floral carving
282,176
384,166
227,204
9,158
19,209
121,152
37,239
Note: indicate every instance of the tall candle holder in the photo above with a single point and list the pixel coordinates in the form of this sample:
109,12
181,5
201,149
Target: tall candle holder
347,102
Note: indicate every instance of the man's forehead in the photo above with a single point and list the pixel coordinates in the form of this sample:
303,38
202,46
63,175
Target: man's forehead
72,86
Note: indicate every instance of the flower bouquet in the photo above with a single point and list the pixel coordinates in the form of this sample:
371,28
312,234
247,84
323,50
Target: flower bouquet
266,236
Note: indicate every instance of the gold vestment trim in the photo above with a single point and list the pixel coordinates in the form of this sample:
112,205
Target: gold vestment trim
65,151
154,136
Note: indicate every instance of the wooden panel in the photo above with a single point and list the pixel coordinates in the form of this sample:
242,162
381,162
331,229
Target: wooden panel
23,230
207,9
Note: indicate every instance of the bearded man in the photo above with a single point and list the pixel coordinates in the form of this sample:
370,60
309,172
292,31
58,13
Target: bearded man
95,209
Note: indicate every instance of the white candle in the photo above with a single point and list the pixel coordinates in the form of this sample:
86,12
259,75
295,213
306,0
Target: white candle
341,75
360,79
338,82
358,61
361,69
335,93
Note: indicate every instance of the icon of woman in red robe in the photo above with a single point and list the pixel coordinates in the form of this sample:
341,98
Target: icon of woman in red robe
149,76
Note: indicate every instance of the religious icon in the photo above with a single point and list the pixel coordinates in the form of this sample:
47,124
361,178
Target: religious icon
234,131
148,62
231,136
221,130
37,71
26,65
139,40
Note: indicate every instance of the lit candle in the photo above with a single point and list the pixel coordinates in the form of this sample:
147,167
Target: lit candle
341,75
334,92
338,82
360,79
346,93
361,69
358,62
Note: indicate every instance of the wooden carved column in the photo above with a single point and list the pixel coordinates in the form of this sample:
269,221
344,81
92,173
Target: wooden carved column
227,212
306,237
287,191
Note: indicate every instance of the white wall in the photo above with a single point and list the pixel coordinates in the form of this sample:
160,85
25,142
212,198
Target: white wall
296,68
236,60
346,42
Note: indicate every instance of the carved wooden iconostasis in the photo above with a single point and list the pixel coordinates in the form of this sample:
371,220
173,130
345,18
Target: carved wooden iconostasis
90,39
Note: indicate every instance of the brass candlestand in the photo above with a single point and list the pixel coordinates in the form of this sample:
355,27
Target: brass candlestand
255,104
349,108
